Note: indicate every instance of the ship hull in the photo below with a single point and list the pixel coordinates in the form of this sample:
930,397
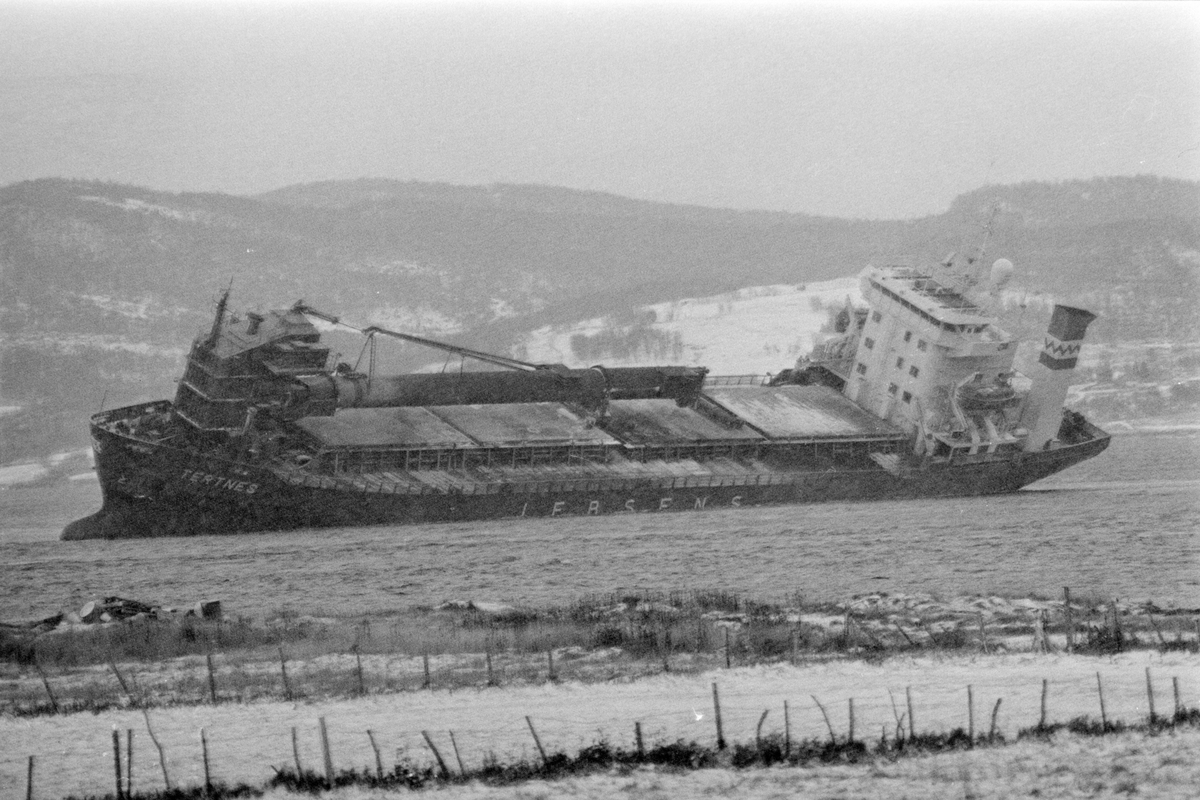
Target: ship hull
153,489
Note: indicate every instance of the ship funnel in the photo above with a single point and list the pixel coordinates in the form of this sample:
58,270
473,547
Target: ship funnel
1053,374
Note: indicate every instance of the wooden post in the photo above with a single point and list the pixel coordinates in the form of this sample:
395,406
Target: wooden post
912,726
46,683
637,736
461,769
362,686
1150,697
1178,707
538,742
116,739
983,643
787,731
793,643
207,773
212,679
970,714
828,724
1103,715
287,687
378,758
129,762
550,676
717,714
758,731
124,685
1070,622
850,737
728,660
29,781
1042,718
296,752
491,676
437,755
995,714
428,679
162,756
327,755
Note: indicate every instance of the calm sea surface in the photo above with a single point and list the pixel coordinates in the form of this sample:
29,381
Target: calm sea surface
1126,524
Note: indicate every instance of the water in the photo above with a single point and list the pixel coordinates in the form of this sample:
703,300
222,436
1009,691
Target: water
1126,524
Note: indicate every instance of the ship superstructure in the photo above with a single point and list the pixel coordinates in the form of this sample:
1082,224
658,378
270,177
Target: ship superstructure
915,397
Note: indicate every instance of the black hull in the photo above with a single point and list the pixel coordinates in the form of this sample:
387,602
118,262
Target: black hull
156,490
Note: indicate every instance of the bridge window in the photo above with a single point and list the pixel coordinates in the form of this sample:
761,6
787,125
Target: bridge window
908,336
861,369
921,345
914,371
893,388
906,397
877,316
868,342
900,363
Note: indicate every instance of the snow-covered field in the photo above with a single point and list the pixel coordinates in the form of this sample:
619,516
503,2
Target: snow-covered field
754,330
75,752
1163,767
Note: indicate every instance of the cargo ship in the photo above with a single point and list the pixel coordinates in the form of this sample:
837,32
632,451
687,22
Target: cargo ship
913,396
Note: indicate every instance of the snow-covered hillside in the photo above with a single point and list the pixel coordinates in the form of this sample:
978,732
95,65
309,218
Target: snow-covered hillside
758,329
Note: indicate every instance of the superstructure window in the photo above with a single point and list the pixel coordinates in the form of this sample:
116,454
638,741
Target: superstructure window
861,369
893,388
908,336
876,317
906,397
921,345
900,363
868,342
914,371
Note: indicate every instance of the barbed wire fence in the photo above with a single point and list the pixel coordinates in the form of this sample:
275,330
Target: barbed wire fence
142,749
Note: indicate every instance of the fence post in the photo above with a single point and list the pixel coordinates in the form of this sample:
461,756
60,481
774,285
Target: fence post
425,664
46,683
828,724
728,661
1178,708
207,773
162,756
970,715
378,758
912,727
29,781
124,685
437,755
328,756
213,679
1150,697
362,687
1042,719
550,676
491,680
1103,716
787,731
717,713
461,769
296,752
637,735
116,739
129,762
995,713
1070,623
538,742
758,731
850,738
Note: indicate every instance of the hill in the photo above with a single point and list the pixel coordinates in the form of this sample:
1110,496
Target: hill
104,285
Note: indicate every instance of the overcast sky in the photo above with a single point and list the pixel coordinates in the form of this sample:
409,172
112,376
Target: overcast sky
870,110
